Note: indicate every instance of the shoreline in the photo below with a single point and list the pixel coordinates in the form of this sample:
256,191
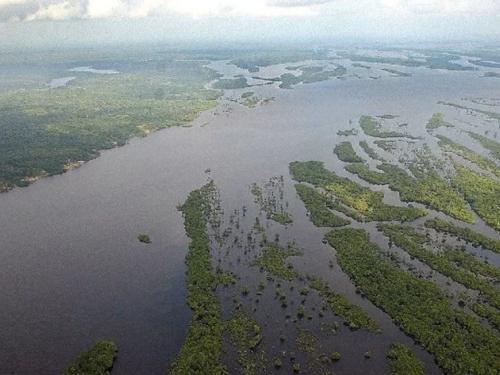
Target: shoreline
5,187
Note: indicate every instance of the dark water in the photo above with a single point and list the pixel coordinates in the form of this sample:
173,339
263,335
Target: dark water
72,270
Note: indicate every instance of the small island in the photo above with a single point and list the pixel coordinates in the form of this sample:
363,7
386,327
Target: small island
144,238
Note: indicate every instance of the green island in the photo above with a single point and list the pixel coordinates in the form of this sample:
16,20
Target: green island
362,199
387,116
231,84
310,74
426,187
372,127
489,144
246,335
248,99
348,132
201,350
470,262
459,266
354,315
402,361
466,234
317,205
144,238
447,145
416,305
356,65
387,146
488,313
47,132
307,343
396,73
491,75
489,114
273,259
369,151
437,121
435,60
345,152
97,360
253,60
482,193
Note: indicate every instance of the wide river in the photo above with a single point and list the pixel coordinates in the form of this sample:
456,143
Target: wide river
71,268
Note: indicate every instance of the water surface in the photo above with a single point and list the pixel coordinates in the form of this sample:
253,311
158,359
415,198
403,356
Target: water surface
71,268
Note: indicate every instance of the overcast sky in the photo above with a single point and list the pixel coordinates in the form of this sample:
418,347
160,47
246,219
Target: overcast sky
37,22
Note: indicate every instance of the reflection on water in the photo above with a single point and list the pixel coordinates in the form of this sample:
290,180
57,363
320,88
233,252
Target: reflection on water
89,69
72,270
60,82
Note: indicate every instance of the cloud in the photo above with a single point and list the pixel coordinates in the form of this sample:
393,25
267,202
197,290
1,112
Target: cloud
34,10
443,7
58,11
297,3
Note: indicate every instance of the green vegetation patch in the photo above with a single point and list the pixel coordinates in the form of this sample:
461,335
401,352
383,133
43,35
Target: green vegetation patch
492,115
460,267
231,84
489,144
330,329
144,238
367,202
470,262
273,259
448,145
418,307
317,205
348,132
402,361
310,75
97,360
253,60
246,95
356,65
346,153
270,198
482,192
201,351
437,121
387,146
44,131
245,335
435,60
354,315
477,239
428,188
491,315
369,151
396,73
307,343
373,128
283,218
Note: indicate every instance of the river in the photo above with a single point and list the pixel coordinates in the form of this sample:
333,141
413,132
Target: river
71,268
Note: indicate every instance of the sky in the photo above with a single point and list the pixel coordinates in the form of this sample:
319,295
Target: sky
66,22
